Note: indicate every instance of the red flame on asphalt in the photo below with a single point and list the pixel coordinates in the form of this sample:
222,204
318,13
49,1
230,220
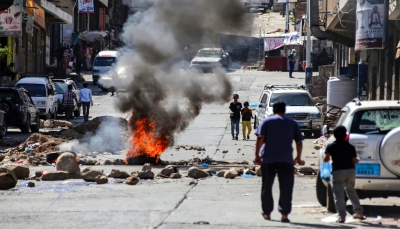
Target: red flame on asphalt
145,140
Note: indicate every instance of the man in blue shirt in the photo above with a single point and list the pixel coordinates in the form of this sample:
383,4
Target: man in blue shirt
275,139
85,98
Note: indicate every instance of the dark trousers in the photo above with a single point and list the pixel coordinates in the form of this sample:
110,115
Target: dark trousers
68,112
86,107
291,67
285,173
78,67
60,62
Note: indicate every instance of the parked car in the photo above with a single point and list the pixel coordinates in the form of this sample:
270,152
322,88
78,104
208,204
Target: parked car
374,130
299,106
20,110
103,63
42,90
208,58
61,86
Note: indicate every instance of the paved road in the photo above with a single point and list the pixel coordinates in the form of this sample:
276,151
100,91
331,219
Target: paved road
175,204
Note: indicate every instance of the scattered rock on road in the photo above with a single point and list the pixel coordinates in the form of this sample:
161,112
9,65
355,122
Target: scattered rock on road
107,162
196,173
67,162
7,179
210,172
175,175
307,171
146,174
115,173
55,175
2,156
146,167
231,173
101,179
21,172
89,174
132,180
220,173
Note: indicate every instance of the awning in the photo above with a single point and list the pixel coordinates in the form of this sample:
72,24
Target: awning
275,41
272,43
54,14
92,36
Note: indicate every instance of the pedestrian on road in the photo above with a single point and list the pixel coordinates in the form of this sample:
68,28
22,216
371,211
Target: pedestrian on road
247,115
78,60
60,56
88,56
344,158
292,60
85,98
234,109
275,138
68,102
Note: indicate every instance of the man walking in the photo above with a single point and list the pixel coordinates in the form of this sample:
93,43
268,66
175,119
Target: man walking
344,157
246,121
60,56
68,102
85,98
292,60
275,139
234,109
78,60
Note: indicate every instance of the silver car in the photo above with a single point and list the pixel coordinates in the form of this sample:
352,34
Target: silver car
208,58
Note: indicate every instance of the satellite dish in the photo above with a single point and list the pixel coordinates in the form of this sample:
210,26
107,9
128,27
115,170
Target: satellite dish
5,4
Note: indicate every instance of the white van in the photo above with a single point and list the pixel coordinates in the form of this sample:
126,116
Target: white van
41,89
103,63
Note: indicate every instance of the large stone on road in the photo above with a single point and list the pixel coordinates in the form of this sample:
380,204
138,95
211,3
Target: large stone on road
101,179
7,179
133,180
167,171
67,162
56,175
115,173
146,174
21,172
196,173
90,174
231,173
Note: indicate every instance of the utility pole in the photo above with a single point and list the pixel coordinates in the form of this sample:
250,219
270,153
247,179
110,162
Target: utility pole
308,50
287,16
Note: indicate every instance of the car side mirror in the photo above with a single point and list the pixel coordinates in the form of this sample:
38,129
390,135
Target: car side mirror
325,130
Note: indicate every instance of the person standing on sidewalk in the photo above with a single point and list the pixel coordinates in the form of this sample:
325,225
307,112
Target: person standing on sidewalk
78,60
344,158
85,98
247,115
88,56
274,142
292,60
234,110
68,102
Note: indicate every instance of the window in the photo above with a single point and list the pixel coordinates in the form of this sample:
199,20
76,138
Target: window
61,87
264,99
341,117
104,61
377,121
10,96
292,99
35,90
209,53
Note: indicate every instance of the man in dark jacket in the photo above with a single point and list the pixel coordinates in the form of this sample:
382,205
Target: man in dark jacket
8,71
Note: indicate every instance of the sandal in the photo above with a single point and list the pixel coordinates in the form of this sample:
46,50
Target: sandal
339,220
266,217
357,216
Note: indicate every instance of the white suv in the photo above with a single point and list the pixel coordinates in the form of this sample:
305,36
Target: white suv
374,129
299,106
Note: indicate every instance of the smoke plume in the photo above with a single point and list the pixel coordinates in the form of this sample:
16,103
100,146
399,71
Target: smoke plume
158,89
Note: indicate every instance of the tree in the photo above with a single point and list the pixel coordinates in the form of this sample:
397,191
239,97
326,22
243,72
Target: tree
3,53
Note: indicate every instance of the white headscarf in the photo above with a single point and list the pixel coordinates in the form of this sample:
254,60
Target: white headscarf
293,51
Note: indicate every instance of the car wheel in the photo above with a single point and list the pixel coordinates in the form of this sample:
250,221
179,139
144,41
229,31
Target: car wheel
307,134
3,131
77,113
25,128
7,107
321,191
35,128
317,134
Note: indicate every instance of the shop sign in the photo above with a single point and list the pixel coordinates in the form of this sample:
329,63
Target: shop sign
11,20
86,6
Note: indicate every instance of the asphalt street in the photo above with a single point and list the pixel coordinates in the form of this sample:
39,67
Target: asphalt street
173,204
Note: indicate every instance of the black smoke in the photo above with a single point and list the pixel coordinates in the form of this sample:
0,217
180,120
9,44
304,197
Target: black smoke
150,67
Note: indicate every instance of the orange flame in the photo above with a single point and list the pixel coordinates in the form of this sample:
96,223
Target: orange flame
146,142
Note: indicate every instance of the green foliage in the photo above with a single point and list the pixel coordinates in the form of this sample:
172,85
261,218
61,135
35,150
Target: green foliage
3,51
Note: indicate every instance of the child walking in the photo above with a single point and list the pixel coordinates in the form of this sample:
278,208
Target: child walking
247,115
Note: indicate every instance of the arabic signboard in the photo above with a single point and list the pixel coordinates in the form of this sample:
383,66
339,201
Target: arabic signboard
292,39
86,6
11,20
370,24
272,43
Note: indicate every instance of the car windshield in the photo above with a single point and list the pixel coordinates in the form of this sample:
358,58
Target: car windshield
104,61
209,53
375,121
61,87
10,96
292,99
35,90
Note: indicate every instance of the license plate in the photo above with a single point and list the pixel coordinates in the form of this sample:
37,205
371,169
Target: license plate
368,169
300,124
